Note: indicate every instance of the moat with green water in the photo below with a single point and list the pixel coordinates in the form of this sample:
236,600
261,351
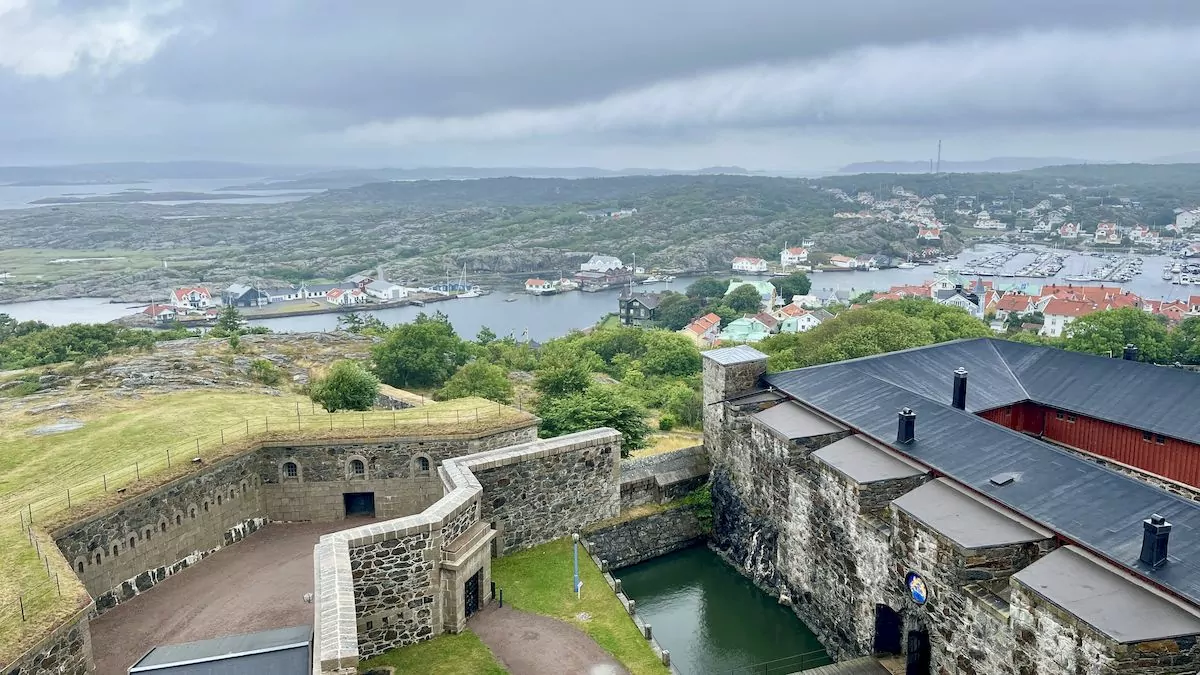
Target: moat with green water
713,620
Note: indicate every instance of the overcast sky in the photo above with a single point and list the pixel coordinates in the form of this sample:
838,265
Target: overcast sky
776,84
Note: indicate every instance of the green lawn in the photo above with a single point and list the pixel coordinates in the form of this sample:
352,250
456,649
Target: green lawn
448,654
539,581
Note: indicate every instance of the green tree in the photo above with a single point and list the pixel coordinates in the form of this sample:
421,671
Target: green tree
727,313
558,379
670,354
478,378
229,322
878,328
1108,332
1185,341
262,370
348,386
705,288
596,407
485,336
744,299
424,353
796,283
676,311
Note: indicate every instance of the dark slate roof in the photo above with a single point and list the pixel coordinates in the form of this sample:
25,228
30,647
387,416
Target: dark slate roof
1139,395
284,651
1114,604
648,300
1094,506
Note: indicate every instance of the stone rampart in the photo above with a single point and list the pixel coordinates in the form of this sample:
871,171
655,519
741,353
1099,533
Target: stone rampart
634,540
129,549
65,651
658,479
397,582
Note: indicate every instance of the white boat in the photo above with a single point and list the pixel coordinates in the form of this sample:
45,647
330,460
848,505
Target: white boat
1167,276
474,292
872,268
907,265
1176,268
1077,277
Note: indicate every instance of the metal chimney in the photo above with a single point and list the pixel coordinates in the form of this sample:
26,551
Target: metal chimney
959,399
1131,352
906,429
1155,533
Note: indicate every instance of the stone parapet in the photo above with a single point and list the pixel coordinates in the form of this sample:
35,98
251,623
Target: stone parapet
396,582
629,542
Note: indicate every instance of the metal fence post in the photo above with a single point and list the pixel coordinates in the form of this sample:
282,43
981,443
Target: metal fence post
104,477
222,437
168,458
21,602
68,504
197,447
137,471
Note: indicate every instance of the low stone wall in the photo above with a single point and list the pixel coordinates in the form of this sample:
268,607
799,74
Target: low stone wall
401,472
66,651
658,479
397,582
635,540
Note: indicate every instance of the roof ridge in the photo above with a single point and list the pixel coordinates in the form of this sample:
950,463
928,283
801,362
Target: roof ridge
992,343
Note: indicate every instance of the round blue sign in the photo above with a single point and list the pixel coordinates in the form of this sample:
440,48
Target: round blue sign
916,588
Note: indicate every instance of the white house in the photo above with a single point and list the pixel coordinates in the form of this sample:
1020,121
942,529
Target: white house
196,297
1061,313
843,261
809,301
796,255
957,297
749,265
1069,230
601,263
1186,220
1107,233
342,296
539,286
160,313
929,233
387,290
284,293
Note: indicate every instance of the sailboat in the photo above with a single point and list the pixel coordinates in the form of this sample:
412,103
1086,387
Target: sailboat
471,291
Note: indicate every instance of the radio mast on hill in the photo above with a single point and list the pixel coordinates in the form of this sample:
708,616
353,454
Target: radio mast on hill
939,158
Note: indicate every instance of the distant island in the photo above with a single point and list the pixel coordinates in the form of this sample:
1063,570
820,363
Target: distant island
995,164
137,196
74,183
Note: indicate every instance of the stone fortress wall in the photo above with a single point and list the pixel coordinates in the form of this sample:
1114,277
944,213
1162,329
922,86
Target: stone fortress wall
832,523
129,549
393,583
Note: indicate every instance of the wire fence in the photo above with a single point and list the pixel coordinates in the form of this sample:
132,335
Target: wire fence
179,458
788,664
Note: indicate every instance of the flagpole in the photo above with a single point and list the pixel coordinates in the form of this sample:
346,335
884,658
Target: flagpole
578,585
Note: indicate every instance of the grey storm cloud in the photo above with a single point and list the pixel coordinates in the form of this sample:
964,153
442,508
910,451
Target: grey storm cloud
271,77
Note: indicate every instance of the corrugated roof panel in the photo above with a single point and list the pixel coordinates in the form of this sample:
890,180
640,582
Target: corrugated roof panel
727,356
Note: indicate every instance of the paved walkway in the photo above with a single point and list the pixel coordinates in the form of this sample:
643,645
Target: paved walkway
531,644
257,584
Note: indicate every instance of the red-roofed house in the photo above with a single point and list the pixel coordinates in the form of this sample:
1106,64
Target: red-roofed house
1014,303
769,321
195,297
1069,230
929,233
890,295
343,296
923,291
749,265
1174,310
796,255
1107,233
539,286
1061,313
160,313
704,330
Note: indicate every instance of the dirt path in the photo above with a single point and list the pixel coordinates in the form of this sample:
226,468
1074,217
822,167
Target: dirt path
256,584
531,644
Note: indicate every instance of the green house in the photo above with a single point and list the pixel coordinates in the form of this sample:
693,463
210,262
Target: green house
745,329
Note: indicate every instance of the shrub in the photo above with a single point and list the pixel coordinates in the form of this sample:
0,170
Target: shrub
262,370
666,422
347,387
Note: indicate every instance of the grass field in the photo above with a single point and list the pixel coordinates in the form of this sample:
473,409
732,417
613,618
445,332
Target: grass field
95,460
461,654
539,581
41,264
667,441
